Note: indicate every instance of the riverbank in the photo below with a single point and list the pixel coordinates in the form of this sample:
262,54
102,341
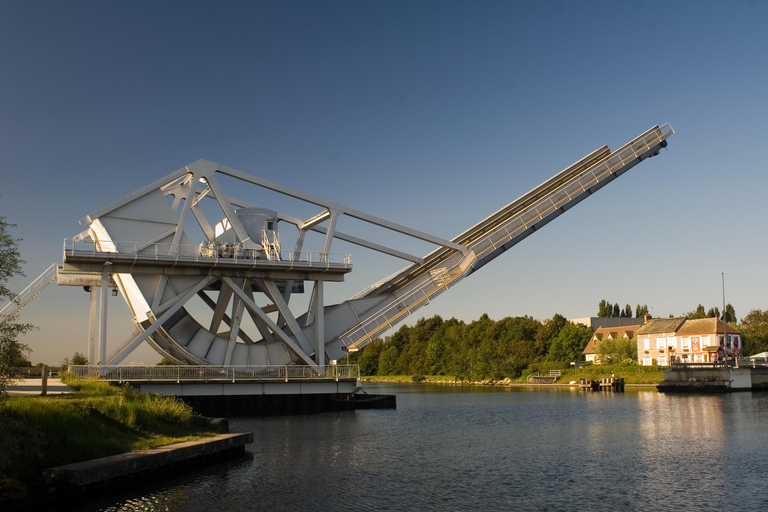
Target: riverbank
97,420
645,376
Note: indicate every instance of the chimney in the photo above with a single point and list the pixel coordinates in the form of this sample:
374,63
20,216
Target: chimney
646,318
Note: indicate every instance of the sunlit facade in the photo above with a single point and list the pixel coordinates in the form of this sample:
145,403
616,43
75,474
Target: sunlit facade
680,340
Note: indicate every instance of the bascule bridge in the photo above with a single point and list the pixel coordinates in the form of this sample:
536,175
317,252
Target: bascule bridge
211,277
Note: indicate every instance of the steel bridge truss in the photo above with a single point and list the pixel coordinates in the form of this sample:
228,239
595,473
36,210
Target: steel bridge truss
213,285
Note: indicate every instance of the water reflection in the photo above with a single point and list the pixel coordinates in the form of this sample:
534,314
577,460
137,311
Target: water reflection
460,448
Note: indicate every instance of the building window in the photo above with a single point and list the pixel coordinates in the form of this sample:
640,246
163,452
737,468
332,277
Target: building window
647,343
695,341
686,345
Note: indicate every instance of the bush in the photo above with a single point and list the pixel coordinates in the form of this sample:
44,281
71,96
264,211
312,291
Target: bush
544,367
418,378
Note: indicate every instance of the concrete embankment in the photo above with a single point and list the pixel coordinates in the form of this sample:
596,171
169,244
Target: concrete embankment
128,468
691,378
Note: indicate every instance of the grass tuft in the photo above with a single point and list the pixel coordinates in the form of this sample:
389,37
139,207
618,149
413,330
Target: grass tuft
97,420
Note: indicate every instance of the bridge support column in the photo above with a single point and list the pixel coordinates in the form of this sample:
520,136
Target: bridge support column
319,325
93,327
103,313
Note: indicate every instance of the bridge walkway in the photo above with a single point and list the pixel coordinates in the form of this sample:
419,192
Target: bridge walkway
416,285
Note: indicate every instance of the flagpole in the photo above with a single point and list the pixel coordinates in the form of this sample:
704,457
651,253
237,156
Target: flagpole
725,335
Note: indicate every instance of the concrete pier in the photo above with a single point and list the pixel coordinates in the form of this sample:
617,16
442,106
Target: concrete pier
124,469
713,379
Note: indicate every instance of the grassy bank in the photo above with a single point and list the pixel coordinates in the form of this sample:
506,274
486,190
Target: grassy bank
630,374
650,375
96,421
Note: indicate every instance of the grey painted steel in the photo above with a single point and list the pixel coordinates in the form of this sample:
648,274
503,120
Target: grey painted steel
415,286
12,308
144,242
236,380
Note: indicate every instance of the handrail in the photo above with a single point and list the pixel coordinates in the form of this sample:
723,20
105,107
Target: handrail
189,373
27,294
206,252
533,214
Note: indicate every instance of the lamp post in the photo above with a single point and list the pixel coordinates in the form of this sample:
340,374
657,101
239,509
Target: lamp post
348,350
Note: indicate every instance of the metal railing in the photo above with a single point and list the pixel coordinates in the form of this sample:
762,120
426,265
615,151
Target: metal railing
515,226
206,252
209,373
27,294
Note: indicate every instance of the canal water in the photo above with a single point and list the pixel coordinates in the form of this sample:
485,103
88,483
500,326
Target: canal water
471,448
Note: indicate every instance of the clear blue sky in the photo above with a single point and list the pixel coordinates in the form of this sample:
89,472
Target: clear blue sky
430,114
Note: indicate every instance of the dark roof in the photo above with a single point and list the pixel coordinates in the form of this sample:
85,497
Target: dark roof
660,325
706,326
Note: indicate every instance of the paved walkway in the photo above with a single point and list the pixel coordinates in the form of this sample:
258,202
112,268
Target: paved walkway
34,386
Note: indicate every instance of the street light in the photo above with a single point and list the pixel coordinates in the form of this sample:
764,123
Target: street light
348,350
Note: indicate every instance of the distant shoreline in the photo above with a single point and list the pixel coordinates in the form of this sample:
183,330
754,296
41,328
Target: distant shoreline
402,379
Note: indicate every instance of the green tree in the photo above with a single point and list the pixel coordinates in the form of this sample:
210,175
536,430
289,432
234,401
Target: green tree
616,350
628,311
12,352
603,308
79,359
641,311
368,358
730,314
713,313
413,357
754,326
546,333
388,361
569,344
616,310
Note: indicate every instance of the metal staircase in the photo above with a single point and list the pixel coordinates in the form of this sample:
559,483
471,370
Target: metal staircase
26,296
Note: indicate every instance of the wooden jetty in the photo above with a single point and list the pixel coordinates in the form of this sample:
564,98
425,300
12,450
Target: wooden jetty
607,384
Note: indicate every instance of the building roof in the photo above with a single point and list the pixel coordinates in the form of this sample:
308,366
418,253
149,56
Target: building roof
705,326
660,325
610,332
617,332
591,346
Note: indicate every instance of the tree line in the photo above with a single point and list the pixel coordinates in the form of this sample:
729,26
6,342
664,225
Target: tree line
488,349
728,316
482,349
608,309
